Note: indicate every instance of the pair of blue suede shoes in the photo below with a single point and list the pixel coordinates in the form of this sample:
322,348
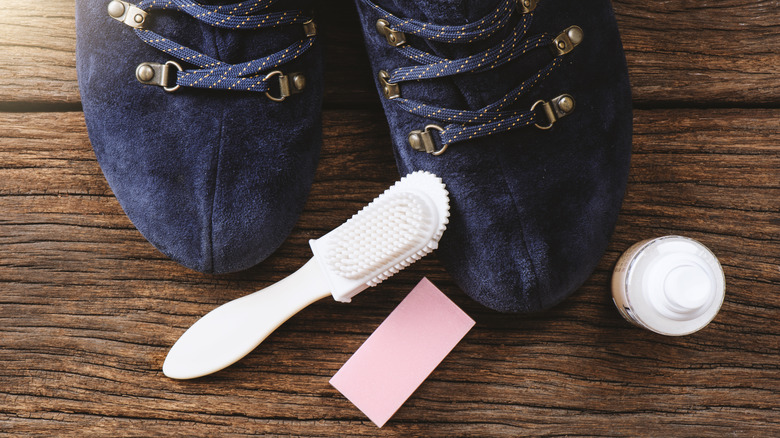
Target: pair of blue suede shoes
205,118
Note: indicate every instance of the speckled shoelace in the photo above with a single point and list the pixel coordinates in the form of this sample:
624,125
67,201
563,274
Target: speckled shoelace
255,75
494,118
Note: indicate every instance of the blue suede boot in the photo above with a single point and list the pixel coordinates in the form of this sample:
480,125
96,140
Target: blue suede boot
523,108
205,119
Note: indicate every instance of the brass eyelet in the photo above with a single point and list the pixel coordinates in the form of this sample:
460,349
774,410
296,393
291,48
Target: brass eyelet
527,6
567,40
389,89
393,37
127,13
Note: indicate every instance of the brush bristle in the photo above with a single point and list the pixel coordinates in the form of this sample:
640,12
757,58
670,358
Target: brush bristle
377,235
396,229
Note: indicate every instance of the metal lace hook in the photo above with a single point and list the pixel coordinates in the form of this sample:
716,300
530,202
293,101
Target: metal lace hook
527,6
556,108
293,83
423,140
393,37
127,13
567,40
153,73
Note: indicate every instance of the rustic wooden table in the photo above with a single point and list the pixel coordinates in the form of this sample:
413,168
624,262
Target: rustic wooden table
88,308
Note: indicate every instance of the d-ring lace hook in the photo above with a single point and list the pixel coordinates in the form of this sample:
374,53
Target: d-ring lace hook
208,72
497,117
556,108
423,140
153,73
288,84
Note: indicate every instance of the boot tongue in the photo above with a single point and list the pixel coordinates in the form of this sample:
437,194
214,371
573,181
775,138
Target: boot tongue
447,13
230,45
475,93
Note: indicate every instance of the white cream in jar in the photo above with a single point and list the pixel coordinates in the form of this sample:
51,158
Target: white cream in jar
671,285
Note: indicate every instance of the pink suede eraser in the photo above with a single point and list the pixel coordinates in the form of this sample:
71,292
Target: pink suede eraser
402,352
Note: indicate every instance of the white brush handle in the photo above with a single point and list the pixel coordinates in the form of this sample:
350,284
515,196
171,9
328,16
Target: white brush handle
232,330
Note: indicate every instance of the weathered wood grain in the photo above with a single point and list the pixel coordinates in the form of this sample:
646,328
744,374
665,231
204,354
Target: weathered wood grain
680,53
88,308
37,46
702,53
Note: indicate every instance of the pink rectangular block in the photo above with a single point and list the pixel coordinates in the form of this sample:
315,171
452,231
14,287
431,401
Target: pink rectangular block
402,352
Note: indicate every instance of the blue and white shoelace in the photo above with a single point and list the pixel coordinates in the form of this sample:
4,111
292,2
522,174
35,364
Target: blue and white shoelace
256,75
460,124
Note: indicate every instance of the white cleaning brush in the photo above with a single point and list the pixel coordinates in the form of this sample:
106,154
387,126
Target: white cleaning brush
396,229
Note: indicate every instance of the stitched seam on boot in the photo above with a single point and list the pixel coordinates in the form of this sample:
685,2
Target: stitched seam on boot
534,281
216,160
216,187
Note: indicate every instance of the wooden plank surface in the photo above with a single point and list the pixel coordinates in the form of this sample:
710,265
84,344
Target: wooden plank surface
89,308
710,52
